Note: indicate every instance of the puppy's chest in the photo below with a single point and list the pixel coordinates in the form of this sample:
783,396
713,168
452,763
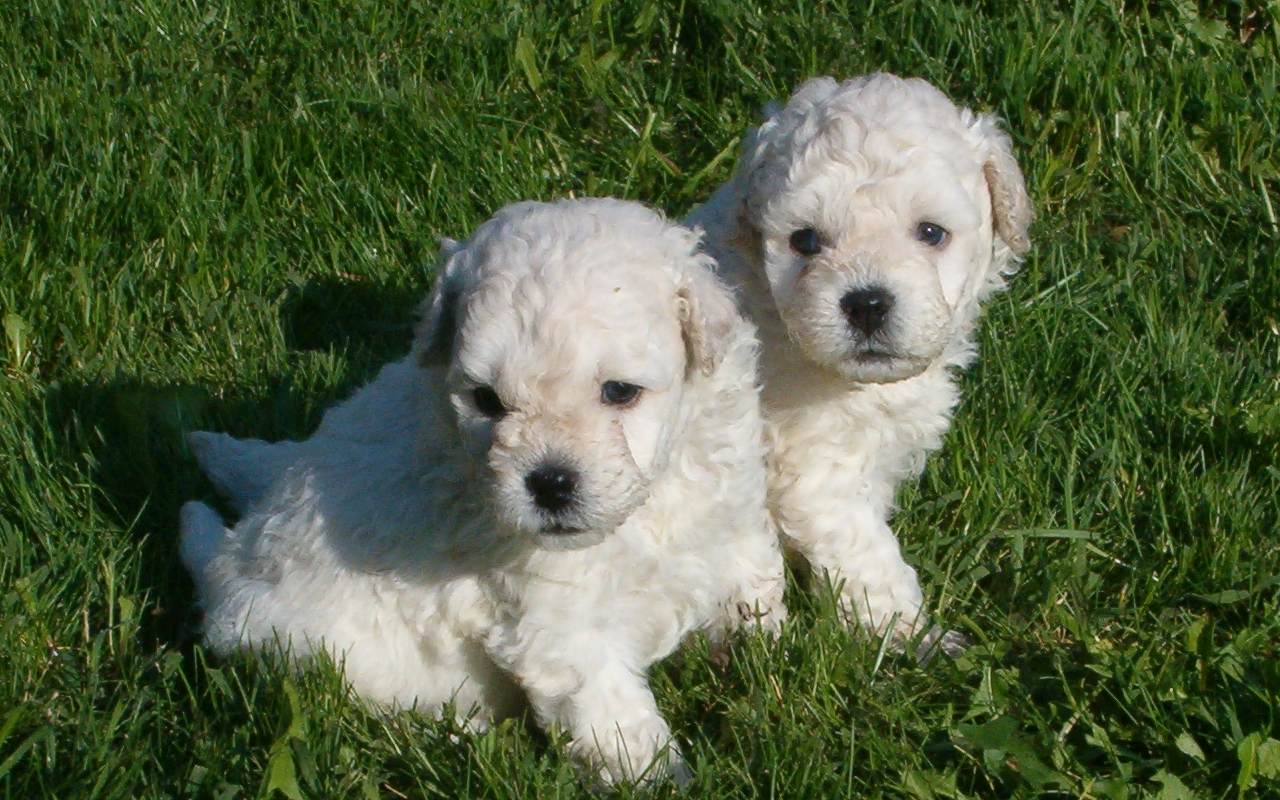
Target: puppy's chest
872,430
617,583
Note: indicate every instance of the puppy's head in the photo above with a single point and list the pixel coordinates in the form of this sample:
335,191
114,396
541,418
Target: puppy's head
571,334
881,214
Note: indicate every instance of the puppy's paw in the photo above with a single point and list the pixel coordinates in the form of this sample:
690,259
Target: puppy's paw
644,756
668,766
677,771
768,618
241,470
742,617
938,640
222,458
761,607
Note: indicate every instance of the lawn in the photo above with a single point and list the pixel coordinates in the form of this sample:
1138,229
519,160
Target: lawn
222,215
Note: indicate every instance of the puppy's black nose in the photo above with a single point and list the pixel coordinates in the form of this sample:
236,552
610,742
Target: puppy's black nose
866,309
552,487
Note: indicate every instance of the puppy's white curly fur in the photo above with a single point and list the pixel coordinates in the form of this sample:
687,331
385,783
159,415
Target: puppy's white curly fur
851,413
402,538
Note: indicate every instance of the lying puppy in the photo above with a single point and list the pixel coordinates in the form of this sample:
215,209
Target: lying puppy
864,226
562,480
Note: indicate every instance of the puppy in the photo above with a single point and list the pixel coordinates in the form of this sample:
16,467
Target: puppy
865,224
562,480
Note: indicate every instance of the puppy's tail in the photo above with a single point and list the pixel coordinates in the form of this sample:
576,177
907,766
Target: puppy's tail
242,470
202,533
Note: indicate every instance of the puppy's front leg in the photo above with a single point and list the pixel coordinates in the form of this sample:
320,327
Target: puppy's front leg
587,687
754,569
853,548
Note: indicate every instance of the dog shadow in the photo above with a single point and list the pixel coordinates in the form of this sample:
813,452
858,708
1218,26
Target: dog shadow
351,315
129,433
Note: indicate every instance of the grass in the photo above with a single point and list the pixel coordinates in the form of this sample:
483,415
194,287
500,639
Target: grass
222,215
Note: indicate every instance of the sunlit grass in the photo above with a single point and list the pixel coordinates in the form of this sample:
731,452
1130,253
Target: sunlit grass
223,216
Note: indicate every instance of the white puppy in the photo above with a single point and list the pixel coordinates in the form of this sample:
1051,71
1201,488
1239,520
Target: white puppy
864,226
562,480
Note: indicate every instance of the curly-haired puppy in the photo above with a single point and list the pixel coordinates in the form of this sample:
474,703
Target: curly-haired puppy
563,479
864,226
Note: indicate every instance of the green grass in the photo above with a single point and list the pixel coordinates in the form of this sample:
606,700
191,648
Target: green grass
222,215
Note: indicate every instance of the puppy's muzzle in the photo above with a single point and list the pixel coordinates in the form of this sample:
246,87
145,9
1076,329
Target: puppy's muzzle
867,309
553,487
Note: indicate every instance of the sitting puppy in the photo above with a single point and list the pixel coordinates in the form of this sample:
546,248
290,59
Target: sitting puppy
864,226
562,480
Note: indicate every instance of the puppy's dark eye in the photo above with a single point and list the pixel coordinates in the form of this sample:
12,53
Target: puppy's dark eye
487,400
932,234
806,242
617,393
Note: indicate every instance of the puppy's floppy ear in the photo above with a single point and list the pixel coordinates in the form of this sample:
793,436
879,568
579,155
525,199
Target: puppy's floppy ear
707,315
1010,204
435,333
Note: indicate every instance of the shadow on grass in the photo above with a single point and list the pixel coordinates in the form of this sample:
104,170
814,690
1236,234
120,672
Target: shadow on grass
350,315
131,431
131,434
